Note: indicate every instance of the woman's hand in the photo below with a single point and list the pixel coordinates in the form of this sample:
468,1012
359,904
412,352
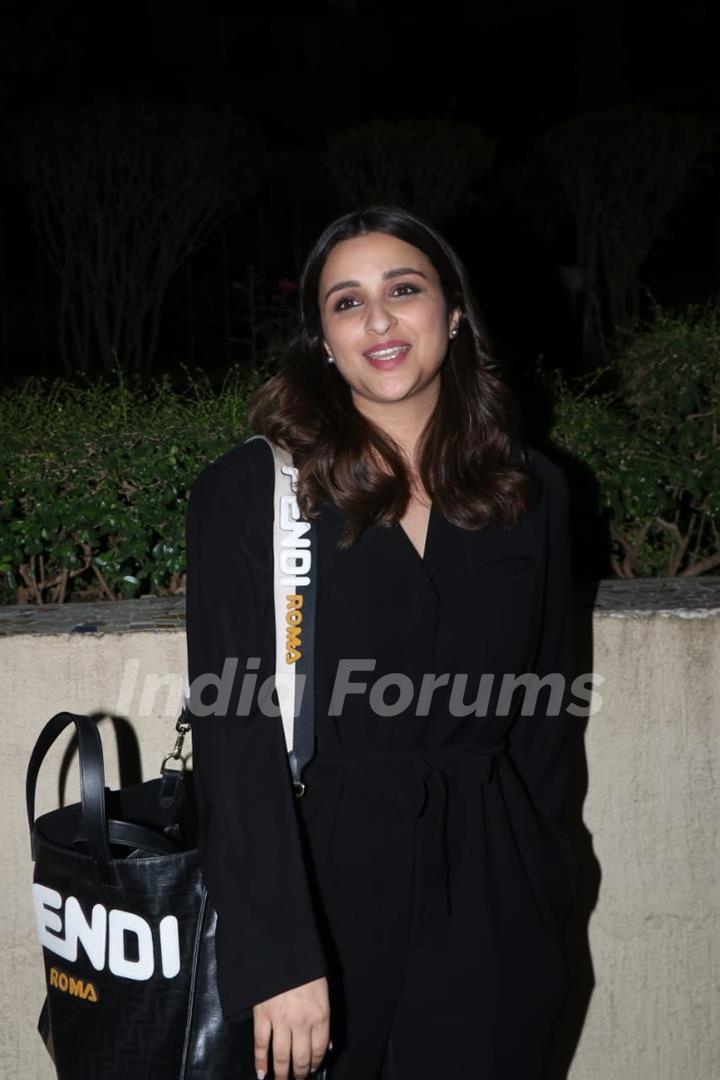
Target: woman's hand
299,1022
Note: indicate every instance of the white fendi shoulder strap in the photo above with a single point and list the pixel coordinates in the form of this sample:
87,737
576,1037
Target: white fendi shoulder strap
294,593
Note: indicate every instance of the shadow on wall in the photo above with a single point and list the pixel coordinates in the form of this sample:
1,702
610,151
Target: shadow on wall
581,972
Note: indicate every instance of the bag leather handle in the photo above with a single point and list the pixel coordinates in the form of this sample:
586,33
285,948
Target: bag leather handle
137,837
92,787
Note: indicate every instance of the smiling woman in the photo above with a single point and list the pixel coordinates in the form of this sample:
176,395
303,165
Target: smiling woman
387,320
412,904
388,337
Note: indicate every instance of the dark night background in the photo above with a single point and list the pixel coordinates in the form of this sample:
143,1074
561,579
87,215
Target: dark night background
515,70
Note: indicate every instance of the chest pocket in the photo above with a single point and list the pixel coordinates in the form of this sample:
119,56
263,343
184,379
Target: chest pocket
511,566
502,593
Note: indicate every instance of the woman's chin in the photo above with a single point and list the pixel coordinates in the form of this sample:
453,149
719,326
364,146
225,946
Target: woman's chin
389,390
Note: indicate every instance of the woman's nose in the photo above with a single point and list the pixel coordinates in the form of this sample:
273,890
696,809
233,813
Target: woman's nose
379,318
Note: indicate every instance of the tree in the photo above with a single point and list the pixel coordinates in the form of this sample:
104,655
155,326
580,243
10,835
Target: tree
621,171
122,193
427,166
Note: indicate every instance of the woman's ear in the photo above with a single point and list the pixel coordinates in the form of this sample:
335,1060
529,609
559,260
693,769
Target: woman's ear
455,321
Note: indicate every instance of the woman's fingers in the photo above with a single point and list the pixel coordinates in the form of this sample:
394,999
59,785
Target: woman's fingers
263,1031
319,1036
300,1053
293,1027
307,1048
281,1048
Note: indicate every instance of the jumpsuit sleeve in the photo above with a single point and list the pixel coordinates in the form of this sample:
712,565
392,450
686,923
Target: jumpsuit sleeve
249,839
540,740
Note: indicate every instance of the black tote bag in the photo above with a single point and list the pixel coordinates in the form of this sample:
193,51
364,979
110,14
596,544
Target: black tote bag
123,917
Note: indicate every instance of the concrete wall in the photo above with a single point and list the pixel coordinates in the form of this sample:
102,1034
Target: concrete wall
646,982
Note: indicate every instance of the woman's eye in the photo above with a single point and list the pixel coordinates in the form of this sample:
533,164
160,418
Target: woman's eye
401,285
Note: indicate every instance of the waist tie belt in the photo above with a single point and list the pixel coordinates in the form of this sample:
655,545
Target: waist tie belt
414,781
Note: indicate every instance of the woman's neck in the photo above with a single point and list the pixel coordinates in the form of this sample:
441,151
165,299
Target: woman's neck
403,420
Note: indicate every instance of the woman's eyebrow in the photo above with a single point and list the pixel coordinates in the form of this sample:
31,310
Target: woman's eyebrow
397,272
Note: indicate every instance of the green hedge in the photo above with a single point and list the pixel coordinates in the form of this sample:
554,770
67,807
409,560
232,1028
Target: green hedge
94,479
652,445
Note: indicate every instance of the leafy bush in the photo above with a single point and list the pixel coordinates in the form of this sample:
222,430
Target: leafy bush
653,444
94,480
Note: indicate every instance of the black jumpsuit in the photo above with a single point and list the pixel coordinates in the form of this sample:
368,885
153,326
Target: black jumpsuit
427,870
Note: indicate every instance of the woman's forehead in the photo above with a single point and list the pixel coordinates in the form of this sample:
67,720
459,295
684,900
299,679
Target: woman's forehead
371,256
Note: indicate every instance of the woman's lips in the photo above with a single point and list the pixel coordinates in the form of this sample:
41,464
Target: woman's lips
390,359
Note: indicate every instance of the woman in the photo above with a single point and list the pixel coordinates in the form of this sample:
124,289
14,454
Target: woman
410,907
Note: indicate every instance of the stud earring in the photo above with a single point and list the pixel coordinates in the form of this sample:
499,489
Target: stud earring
330,359
453,332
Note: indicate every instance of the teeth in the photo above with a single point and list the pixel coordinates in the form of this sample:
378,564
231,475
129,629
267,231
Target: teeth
383,354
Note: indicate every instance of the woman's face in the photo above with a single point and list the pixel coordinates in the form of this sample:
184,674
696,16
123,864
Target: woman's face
377,292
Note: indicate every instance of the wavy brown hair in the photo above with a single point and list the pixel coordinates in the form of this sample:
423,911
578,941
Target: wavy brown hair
471,456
